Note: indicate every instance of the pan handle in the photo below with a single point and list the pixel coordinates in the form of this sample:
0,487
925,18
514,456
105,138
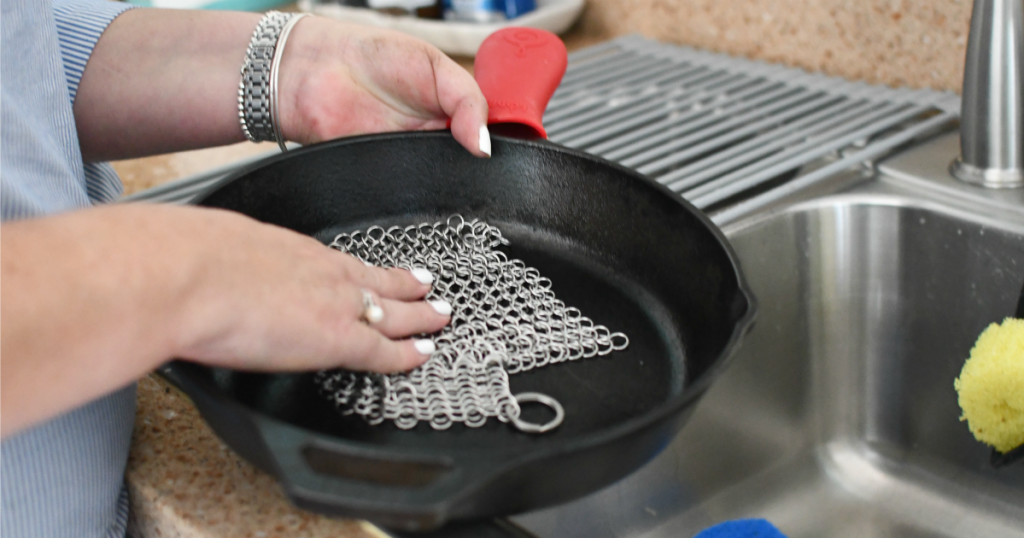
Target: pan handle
370,482
365,482
518,70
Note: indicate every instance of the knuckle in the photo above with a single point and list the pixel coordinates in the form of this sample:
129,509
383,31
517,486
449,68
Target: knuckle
373,277
400,278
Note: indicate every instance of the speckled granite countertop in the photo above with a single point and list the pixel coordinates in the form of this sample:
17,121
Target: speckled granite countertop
185,482
917,43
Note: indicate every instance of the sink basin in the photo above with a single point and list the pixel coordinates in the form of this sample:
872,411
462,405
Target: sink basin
838,417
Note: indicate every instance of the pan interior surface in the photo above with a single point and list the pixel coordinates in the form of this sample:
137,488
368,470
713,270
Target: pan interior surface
625,251
596,393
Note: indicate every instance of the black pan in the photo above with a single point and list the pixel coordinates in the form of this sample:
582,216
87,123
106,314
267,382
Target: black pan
626,251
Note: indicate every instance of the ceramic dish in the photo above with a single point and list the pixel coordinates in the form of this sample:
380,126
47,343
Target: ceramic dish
459,38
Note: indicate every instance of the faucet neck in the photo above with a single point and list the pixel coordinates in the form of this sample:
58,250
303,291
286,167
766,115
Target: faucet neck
992,110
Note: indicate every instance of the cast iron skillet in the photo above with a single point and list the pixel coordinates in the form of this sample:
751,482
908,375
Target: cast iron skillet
627,252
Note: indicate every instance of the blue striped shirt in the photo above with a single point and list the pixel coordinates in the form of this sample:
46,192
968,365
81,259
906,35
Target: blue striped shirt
62,478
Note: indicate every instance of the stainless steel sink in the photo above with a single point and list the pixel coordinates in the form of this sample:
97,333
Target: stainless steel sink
838,417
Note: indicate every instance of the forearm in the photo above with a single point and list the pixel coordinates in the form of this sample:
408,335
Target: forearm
81,317
166,80
161,81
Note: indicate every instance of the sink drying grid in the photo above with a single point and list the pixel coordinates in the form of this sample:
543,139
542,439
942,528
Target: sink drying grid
728,134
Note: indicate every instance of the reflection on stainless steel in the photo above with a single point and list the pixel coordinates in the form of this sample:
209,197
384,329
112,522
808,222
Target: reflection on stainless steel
839,417
992,124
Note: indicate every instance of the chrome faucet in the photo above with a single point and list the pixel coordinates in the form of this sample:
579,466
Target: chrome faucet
992,109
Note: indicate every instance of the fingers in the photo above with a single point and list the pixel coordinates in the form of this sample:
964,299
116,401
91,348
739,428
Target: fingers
391,283
342,80
374,345
369,350
399,319
461,99
472,132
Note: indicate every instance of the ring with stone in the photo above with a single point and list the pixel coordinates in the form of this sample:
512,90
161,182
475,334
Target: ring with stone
372,313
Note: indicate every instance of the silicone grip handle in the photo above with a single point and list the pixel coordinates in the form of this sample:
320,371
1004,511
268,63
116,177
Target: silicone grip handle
518,70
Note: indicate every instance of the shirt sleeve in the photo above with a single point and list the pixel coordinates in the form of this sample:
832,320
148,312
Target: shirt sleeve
80,23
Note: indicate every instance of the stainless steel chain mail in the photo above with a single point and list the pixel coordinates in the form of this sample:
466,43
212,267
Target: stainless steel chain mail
505,320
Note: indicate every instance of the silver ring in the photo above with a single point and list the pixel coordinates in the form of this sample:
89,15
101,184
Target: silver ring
372,313
536,397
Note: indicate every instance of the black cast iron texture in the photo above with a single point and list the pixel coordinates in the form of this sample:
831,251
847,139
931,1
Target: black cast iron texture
627,252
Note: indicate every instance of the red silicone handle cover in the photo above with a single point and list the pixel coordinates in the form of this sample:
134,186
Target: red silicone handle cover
518,70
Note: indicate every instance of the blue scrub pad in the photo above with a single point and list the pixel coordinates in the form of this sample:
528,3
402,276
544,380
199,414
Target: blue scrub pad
742,528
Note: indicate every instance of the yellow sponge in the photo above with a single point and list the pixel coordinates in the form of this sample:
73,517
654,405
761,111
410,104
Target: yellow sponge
991,386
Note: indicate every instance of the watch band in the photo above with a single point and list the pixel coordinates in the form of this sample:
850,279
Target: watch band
257,89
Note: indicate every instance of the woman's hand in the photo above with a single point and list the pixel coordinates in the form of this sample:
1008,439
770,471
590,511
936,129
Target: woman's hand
161,81
95,299
260,297
342,79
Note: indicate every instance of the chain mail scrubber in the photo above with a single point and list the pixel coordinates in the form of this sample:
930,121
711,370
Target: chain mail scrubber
257,91
505,320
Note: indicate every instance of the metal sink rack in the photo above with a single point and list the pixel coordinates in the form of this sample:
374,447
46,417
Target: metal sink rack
728,134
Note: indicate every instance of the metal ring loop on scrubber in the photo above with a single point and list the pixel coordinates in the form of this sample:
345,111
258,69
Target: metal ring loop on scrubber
543,399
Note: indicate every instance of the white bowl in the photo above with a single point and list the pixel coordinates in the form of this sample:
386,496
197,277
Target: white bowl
462,38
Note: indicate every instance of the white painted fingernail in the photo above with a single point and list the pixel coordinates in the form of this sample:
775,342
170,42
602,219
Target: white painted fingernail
485,140
374,314
425,347
442,307
423,275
